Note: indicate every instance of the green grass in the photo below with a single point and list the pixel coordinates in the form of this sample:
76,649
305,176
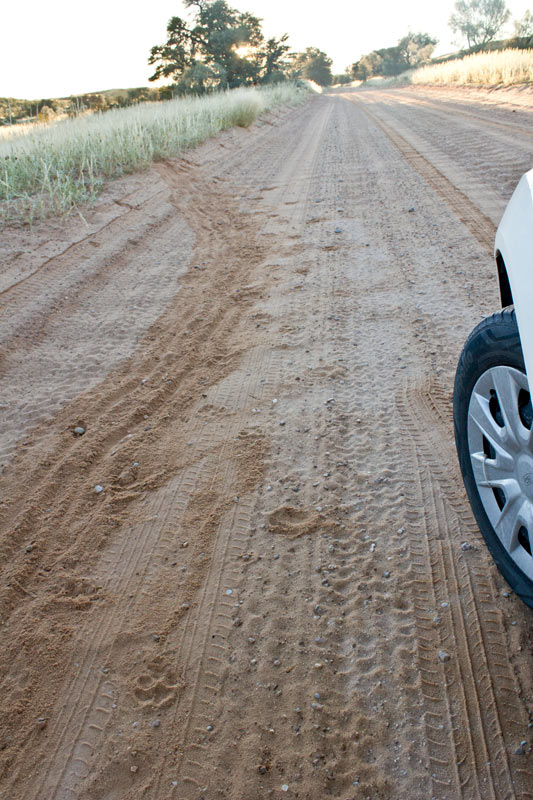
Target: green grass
52,168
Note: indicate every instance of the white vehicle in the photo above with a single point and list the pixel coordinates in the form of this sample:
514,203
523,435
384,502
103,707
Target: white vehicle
492,407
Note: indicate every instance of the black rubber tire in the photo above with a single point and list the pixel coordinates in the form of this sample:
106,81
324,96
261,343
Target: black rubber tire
494,342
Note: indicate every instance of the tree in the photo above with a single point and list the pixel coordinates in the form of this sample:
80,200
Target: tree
479,21
524,29
221,47
413,50
314,65
273,61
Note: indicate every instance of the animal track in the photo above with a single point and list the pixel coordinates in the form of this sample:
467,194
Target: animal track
156,688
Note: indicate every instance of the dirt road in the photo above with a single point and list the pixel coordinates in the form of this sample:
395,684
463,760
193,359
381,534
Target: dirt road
236,583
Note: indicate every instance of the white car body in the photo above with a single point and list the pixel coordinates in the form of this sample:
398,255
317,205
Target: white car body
514,244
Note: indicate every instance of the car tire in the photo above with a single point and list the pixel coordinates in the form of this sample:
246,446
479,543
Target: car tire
493,434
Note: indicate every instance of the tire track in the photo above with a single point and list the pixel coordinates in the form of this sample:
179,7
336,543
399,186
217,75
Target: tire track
453,110
475,680
479,225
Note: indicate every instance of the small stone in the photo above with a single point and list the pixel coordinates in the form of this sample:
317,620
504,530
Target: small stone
156,637
274,401
237,622
444,656
134,768
282,422
229,591
42,722
519,751
209,728
156,723
411,210
253,662
317,706
236,499
28,548
98,488
276,662
386,574
262,769
466,546
284,788
318,665
251,640
185,544
79,431
317,696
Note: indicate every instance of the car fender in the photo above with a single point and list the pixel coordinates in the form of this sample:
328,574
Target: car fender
514,244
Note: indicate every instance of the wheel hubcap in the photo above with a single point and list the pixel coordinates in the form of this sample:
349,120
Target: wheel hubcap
500,440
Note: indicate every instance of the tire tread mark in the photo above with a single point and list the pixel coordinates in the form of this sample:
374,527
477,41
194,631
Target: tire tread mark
479,225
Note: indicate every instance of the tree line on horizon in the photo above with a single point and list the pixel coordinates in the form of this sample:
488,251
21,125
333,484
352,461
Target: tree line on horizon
476,23
220,47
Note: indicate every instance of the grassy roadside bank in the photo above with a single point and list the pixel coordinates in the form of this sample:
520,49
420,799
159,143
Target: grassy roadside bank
494,69
51,168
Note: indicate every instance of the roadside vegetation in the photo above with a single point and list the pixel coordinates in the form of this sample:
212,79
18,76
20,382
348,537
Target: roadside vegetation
51,168
486,61
495,68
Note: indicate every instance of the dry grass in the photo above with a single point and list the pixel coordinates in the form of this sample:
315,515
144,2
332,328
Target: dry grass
496,68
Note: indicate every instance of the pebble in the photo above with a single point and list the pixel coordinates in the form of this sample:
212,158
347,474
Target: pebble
386,574
519,751
41,722
134,768
284,788
209,728
156,723
282,422
28,548
318,665
317,706
98,488
79,431
276,662
444,656
466,546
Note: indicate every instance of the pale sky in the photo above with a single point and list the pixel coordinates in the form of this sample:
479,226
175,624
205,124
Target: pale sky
57,48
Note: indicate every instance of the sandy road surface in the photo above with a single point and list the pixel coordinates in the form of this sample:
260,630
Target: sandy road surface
260,341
